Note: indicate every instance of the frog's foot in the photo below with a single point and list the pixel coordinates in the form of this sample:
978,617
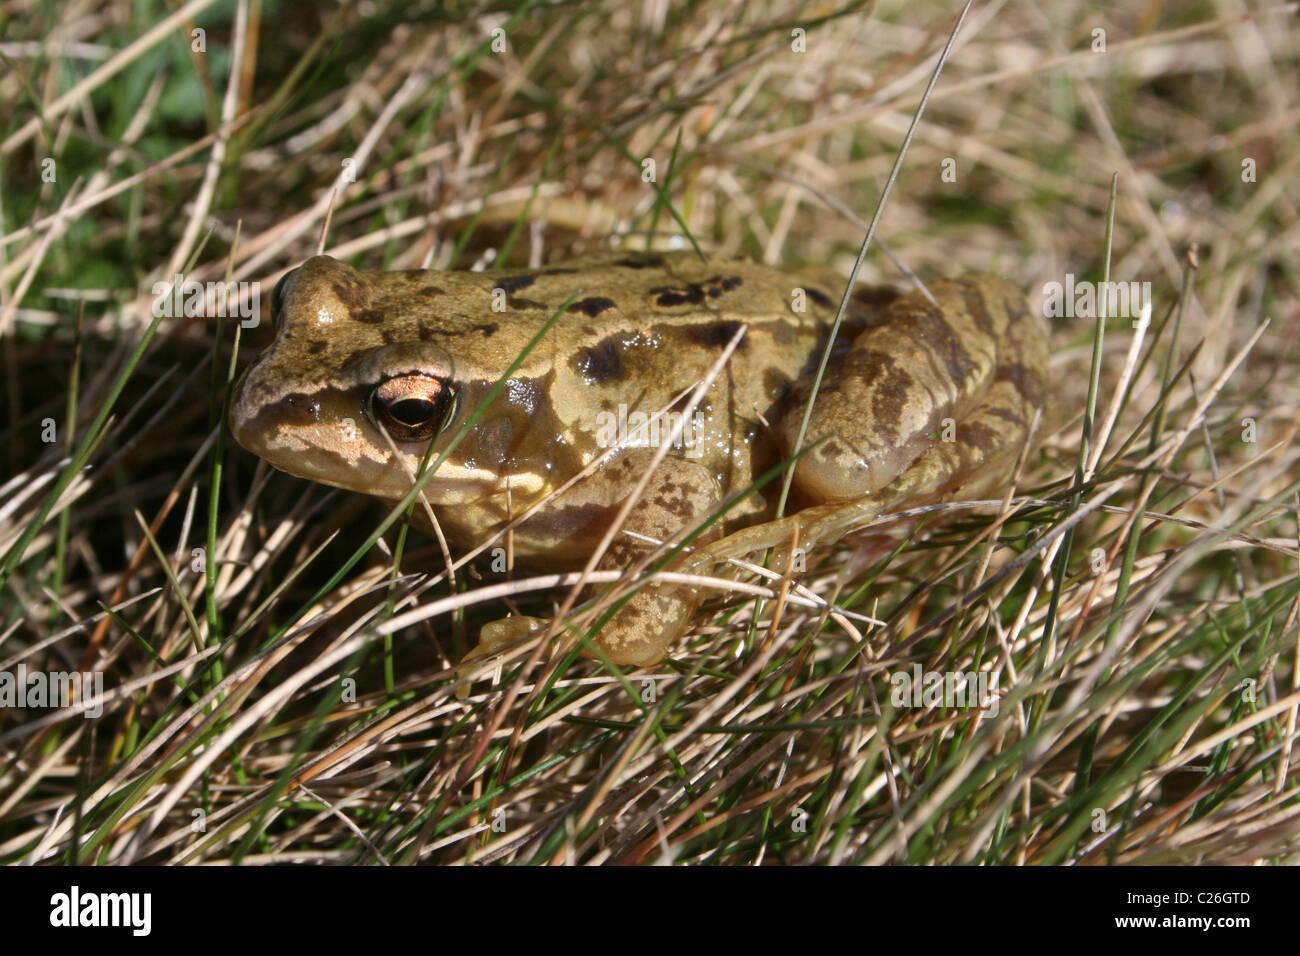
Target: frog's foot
493,638
641,631
638,635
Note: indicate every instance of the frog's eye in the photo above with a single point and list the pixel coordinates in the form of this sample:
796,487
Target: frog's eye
412,407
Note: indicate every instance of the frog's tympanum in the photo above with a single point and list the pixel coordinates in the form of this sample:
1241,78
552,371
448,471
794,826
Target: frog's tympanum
923,401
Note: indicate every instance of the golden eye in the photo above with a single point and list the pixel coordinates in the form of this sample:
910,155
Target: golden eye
412,407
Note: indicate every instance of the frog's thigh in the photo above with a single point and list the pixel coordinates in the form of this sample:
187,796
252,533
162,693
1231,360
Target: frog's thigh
978,358
990,435
680,493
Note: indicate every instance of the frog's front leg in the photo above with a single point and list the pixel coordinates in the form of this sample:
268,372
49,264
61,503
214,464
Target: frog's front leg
680,494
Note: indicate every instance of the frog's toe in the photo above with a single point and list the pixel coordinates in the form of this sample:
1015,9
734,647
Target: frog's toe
493,638
496,635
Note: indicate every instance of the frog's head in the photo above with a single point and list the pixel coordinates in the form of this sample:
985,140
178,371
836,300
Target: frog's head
353,389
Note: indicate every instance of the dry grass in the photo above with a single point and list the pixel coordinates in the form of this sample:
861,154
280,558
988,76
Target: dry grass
1134,601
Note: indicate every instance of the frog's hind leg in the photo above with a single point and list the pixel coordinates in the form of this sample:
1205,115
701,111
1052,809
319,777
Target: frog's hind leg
928,405
926,397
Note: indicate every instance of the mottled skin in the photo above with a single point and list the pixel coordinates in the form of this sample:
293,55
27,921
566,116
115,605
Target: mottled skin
353,346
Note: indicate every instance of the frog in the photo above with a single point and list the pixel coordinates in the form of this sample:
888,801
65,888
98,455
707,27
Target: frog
928,395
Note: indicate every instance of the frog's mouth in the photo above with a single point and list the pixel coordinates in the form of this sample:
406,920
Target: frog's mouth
449,486
299,437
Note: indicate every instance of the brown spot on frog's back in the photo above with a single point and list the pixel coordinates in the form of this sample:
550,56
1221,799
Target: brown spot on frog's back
352,295
775,384
511,284
669,296
640,262
600,364
818,296
716,334
317,347
368,316
695,292
592,307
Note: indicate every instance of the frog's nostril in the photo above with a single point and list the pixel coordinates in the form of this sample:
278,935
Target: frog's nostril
301,408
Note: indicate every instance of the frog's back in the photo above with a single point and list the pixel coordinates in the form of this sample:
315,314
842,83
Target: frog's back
638,329
676,304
